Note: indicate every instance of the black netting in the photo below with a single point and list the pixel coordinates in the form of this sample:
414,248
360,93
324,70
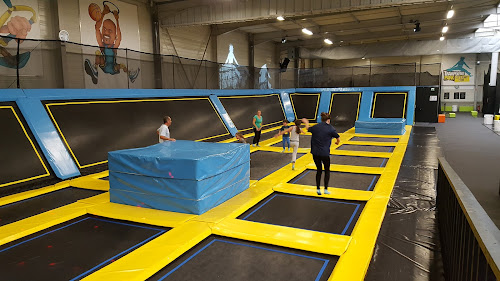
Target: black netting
56,64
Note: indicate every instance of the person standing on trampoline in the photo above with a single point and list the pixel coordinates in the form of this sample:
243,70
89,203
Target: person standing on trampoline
294,132
257,127
286,135
163,132
321,141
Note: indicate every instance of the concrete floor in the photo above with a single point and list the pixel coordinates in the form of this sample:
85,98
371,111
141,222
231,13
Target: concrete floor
473,151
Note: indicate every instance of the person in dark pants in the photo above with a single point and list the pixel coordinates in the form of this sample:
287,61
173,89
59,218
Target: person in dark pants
321,141
257,127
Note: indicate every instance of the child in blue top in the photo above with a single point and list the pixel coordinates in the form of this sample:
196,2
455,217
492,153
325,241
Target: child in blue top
286,135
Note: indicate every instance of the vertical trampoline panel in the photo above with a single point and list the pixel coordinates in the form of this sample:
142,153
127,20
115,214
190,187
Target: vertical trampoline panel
389,105
344,110
287,106
305,105
21,160
91,129
242,109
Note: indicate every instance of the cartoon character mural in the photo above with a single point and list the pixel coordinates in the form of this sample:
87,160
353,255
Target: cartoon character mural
458,73
264,78
108,36
229,73
15,26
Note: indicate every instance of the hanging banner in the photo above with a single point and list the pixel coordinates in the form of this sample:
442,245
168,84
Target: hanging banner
114,27
458,69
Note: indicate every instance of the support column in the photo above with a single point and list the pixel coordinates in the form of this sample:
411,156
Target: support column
157,59
251,60
494,69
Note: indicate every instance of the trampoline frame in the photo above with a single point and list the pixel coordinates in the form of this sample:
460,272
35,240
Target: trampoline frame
188,230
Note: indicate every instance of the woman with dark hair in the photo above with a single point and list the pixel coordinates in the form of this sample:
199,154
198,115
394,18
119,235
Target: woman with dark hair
321,141
257,127
294,132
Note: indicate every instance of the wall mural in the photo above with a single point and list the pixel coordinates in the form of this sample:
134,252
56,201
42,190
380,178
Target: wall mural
19,20
110,25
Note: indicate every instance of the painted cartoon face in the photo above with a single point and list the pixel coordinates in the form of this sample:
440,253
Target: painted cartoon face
108,32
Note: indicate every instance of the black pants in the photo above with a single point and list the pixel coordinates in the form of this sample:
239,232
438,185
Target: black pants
326,162
256,138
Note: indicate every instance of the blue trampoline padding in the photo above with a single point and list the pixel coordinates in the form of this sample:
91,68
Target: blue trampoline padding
381,126
180,159
178,188
166,203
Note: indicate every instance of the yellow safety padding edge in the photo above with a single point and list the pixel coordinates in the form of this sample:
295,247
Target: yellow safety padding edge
361,153
351,169
336,193
354,263
154,255
236,205
32,193
90,183
140,215
314,241
371,143
22,228
279,149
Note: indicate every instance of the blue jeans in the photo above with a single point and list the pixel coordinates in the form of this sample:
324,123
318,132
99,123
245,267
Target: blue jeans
286,140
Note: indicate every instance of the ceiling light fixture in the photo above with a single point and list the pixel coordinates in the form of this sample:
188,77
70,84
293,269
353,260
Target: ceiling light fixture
445,29
307,31
417,27
280,18
283,41
450,14
363,58
328,41
441,38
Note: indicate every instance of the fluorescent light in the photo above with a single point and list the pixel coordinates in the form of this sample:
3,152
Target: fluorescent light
445,29
363,58
450,14
328,41
307,31
280,18
441,39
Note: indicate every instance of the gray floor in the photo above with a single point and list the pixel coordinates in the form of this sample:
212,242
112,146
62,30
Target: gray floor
474,153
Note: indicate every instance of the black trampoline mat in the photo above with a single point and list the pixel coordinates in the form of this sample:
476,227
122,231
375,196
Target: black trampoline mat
222,258
311,213
374,139
339,180
389,105
264,163
305,105
72,250
304,142
372,148
33,206
358,161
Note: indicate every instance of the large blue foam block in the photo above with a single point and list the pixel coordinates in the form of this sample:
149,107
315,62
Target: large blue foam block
182,176
381,126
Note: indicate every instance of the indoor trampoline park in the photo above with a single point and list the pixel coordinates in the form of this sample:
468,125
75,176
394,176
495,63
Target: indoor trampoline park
249,140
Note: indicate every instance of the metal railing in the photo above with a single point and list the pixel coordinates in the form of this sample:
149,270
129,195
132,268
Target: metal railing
470,241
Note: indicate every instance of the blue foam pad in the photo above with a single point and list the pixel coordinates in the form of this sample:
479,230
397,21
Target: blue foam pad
381,126
180,159
182,176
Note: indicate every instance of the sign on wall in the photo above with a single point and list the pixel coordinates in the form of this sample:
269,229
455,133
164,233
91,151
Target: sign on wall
110,25
458,69
20,19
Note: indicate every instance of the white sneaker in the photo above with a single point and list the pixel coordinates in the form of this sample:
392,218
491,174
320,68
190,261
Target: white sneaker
282,151
258,145
293,166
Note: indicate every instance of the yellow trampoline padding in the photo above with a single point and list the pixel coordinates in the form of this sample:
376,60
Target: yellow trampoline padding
237,205
315,241
139,215
94,200
19,229
361,153
90,183
351,169
370,143
154,255
336,193
279,149
32,193
354,263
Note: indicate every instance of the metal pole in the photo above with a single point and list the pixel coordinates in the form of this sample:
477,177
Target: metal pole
17,68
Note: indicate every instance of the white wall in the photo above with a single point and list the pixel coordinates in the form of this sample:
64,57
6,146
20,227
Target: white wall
265,53
188,42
